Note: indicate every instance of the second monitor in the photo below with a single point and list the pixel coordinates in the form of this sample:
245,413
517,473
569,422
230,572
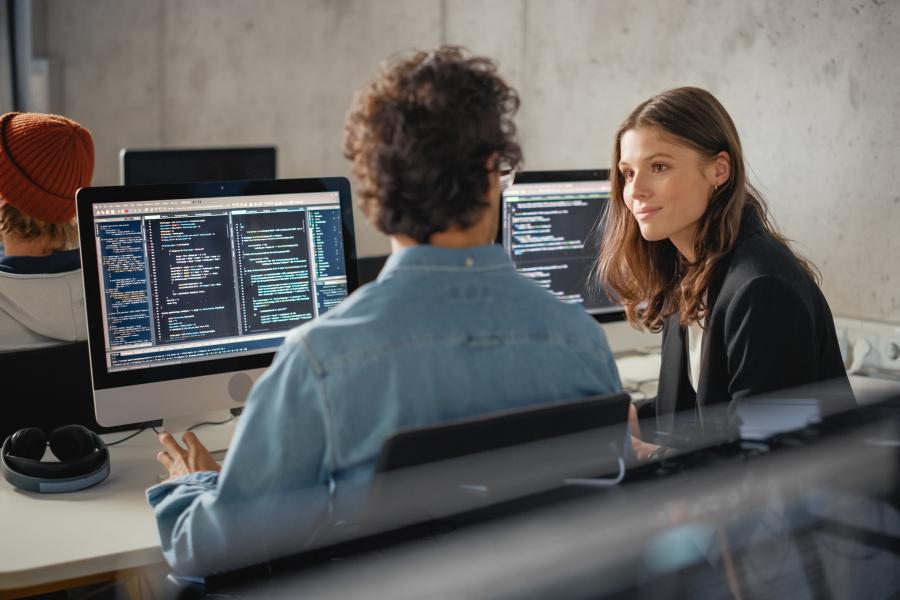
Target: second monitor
549,223
184,165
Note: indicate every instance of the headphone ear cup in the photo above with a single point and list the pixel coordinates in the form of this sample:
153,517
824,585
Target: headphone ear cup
72,442
83,454
30,443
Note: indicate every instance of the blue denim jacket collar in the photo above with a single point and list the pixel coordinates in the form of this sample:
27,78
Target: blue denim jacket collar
434,258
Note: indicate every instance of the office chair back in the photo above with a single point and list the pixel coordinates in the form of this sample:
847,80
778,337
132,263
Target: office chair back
47,388
430,472
369,267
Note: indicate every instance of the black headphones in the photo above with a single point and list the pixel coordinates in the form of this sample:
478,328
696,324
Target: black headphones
84,459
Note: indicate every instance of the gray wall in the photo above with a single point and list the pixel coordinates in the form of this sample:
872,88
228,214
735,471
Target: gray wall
814,87
6,82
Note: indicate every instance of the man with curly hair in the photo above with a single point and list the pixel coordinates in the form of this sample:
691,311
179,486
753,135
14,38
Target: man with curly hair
449,329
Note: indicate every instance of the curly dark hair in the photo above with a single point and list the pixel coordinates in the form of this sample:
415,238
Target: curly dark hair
419,136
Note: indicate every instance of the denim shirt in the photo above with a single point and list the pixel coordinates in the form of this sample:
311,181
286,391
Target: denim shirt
442,334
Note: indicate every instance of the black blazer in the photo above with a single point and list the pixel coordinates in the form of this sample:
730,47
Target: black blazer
768,328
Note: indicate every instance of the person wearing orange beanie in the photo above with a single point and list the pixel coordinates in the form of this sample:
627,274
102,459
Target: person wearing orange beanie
44,159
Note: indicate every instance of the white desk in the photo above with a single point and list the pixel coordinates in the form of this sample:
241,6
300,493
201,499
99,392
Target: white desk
101,530
637,358
624,339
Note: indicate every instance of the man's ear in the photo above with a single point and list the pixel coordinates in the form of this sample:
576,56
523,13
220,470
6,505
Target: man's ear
492,163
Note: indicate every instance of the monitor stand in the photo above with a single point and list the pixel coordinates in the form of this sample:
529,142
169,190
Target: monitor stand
214,428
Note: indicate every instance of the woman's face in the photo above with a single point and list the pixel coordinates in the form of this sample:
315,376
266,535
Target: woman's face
668,185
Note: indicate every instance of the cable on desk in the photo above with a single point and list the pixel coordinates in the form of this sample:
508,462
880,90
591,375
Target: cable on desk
145,427
196,425
191,428
128,437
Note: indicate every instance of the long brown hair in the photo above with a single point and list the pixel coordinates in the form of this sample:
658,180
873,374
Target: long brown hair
652,279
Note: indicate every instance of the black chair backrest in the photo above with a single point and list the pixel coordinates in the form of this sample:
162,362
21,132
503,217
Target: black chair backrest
47,388
433,472
369,267
493,431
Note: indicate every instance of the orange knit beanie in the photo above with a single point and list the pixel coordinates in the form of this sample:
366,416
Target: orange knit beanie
44,159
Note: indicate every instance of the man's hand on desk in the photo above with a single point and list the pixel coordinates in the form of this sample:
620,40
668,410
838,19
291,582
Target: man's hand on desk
180,461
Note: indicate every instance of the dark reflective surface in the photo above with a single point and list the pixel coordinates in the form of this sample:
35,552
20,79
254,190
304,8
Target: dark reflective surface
801,512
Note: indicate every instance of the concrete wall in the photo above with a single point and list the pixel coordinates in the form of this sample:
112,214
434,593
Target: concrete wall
6,82
814,87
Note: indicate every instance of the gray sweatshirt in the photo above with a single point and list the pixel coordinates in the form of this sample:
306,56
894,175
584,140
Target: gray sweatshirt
40,309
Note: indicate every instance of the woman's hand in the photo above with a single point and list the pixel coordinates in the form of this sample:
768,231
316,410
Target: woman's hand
180,461
633,421
642,450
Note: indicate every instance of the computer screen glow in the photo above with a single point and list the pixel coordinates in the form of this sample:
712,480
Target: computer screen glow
549,229
195,279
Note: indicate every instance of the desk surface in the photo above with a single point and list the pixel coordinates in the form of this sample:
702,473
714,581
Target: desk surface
109,527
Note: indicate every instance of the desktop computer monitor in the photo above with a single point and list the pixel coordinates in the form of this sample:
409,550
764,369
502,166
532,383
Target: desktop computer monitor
186,165
549,227
190,288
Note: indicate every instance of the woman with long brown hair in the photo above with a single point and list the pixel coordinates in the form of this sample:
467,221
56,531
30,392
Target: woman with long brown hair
689,249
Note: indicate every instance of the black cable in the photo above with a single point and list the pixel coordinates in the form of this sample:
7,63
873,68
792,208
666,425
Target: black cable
144,427
196,425
156,431
128,437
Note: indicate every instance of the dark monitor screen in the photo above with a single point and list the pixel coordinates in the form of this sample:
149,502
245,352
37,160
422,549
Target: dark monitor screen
152,167
549,227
